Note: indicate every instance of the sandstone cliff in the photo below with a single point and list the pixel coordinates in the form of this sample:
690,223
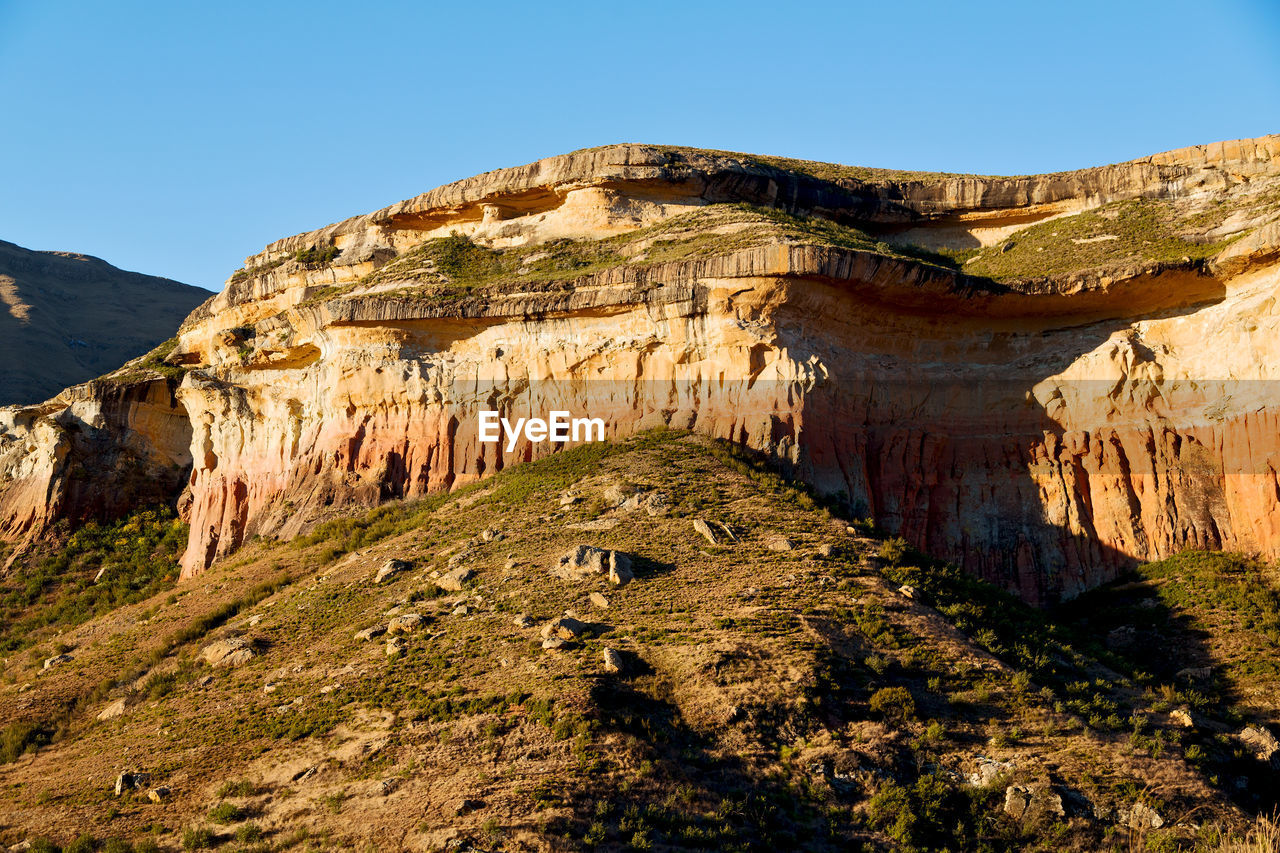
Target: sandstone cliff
1042,378
66,318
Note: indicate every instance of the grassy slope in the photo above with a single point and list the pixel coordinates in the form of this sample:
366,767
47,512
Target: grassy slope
772,698
450,265
1134,234
1138,232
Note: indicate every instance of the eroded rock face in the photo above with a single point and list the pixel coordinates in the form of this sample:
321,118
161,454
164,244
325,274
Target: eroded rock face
1043,433
95,451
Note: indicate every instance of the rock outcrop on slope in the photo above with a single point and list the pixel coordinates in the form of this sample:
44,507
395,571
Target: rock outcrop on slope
95,451
1042,378
66,318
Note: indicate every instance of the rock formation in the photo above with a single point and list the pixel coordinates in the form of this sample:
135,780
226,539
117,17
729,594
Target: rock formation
1041,378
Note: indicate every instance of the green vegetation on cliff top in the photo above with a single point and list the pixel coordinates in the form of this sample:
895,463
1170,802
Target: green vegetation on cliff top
1126,234
834,172
1135,232
454,264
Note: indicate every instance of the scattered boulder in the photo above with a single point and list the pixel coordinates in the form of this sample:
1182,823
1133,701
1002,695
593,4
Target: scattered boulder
585,561
159,795
391,568
552,644
460,557
566,627
232,651
622,494
523,621
826,549
1139,816
1261,741
406,623
1121,638
989,770
1017,800
620,573
1196,673
1182,717
779,543
581,563
1032,802
129,781
612,661
460,610
598,600
371,632
395,646
705,529
453,580
57,659
492,535
657,503
467,806
271,687
907,591
115,709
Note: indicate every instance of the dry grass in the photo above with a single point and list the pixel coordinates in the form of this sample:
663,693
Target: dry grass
747,717
1262,837
452,265
1138,232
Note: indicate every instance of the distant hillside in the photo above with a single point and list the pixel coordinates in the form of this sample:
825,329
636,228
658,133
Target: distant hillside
66,318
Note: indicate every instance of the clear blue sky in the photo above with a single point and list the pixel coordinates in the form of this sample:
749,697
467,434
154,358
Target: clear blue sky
175,138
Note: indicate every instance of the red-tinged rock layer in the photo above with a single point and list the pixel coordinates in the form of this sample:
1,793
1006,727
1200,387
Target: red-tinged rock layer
1043,457
1042,432
95,451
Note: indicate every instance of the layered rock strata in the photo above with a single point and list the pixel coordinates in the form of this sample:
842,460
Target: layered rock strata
95,451
1042,430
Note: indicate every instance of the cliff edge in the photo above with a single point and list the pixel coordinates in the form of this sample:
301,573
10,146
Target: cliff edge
1042,378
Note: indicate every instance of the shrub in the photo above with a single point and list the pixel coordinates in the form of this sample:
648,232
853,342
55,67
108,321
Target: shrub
19,738
225,813
894,704
197,838
237,788
83,844
248,833
138,555
894,551
463,261
919,816
315,256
